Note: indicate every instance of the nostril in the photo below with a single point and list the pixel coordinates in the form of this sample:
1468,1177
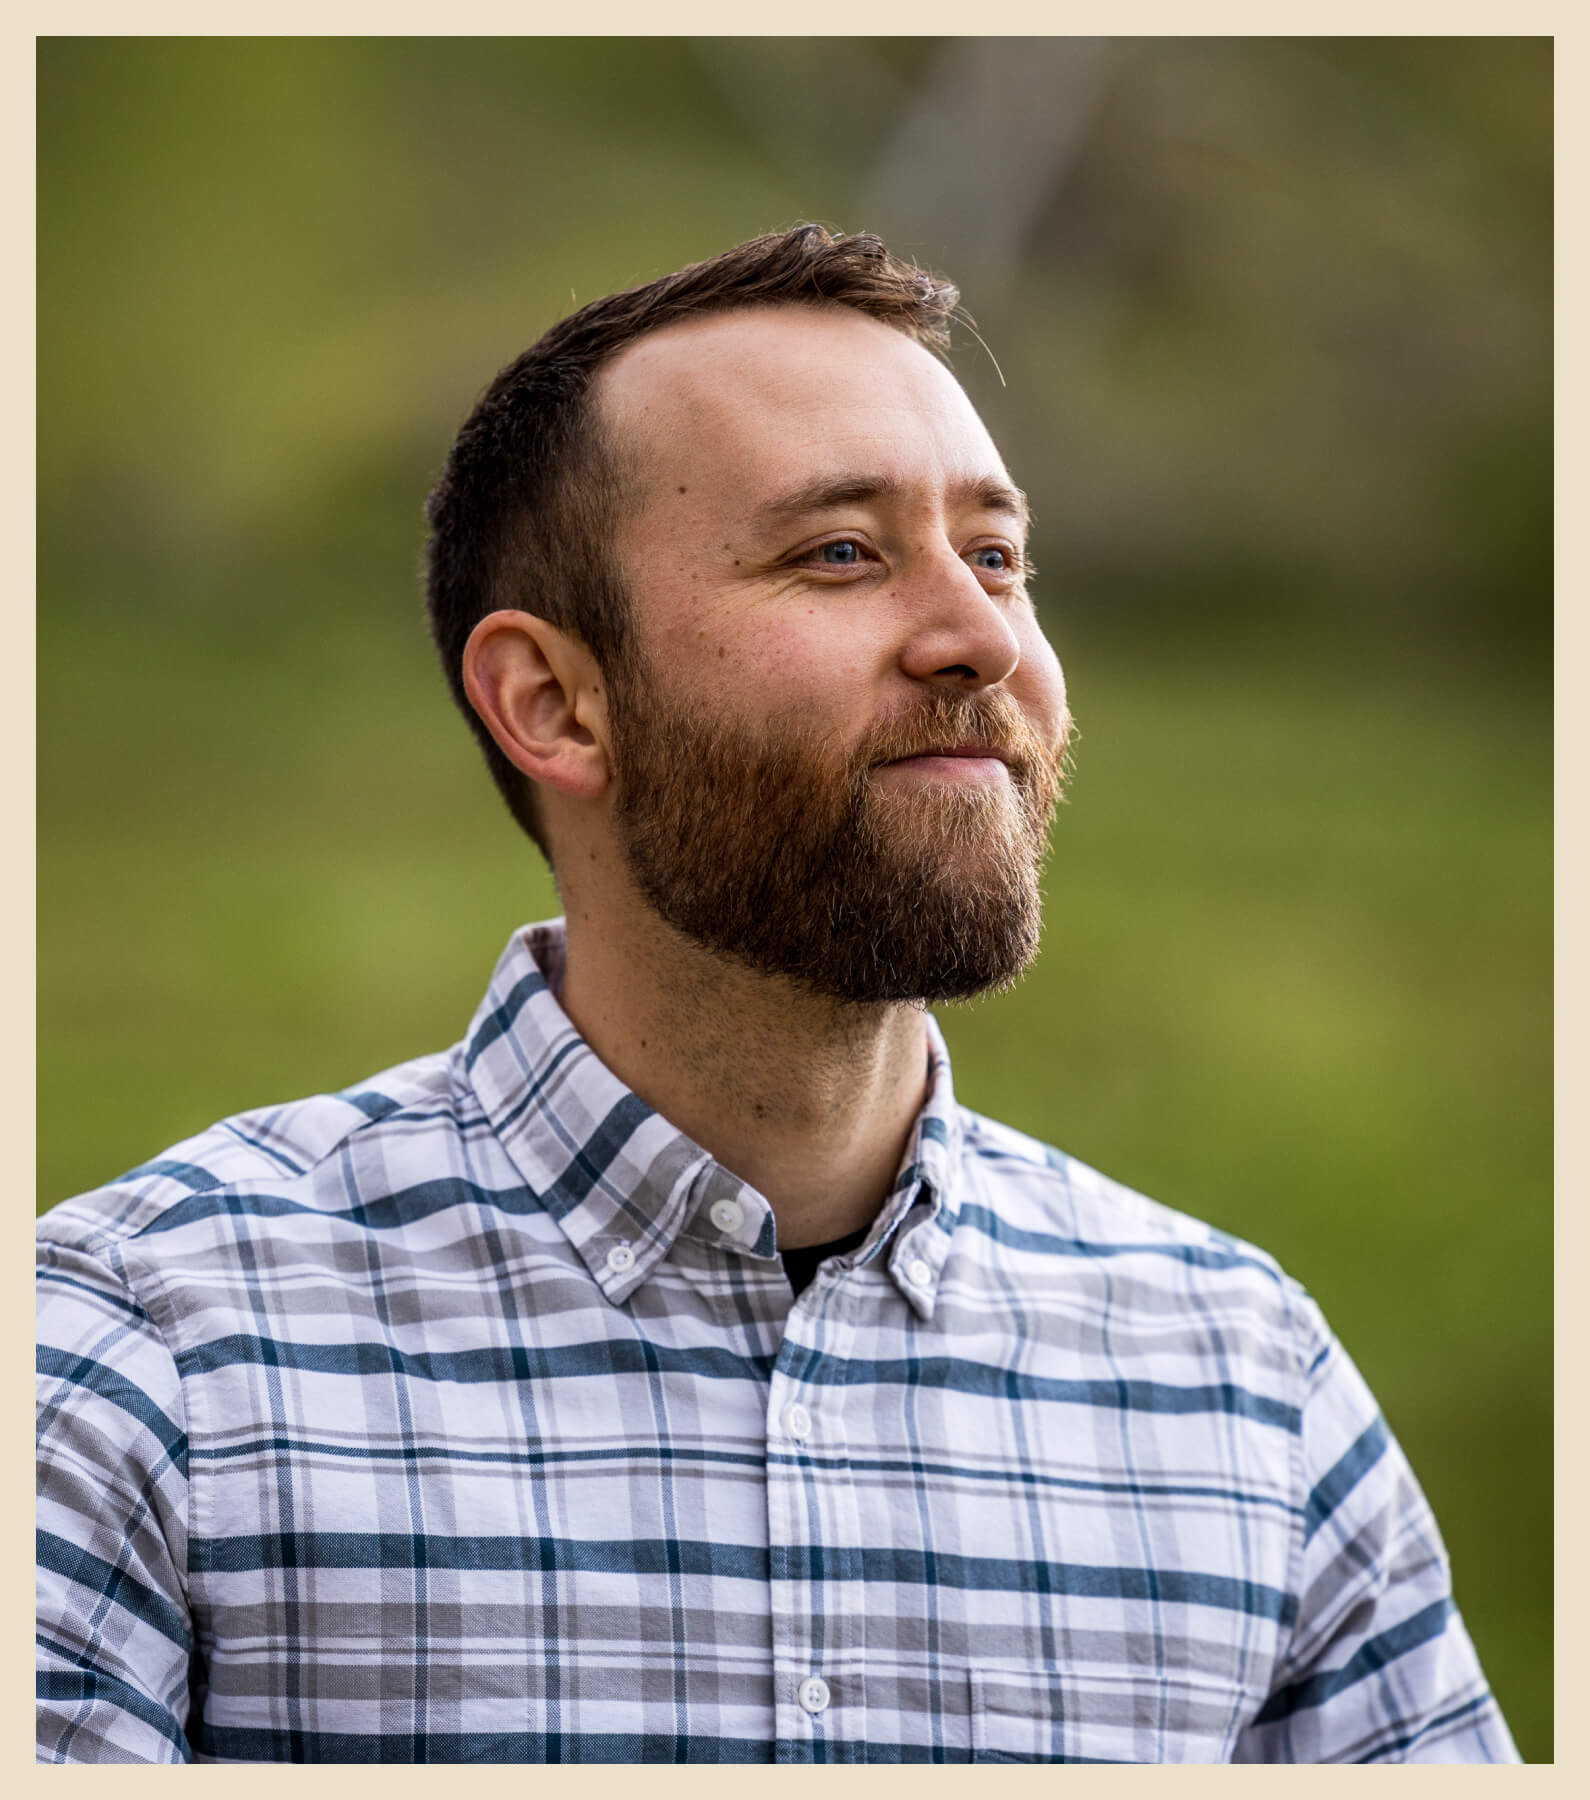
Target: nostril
965,670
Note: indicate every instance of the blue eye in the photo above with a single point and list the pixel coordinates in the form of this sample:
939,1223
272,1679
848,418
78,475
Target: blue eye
839,554
1000,562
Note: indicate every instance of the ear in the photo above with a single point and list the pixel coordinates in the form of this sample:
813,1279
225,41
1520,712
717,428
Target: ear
539,693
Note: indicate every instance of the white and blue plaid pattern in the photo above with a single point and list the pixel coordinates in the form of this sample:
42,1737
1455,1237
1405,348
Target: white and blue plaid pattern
437,1421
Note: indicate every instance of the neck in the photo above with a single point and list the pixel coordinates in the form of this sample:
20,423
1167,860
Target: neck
809,1100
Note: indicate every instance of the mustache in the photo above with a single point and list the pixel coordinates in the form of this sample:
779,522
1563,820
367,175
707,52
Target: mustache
991,722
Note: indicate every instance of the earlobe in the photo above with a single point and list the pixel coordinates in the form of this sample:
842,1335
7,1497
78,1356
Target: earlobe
538,693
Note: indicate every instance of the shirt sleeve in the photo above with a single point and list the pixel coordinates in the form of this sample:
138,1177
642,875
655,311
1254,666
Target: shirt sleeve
114,1636
1379,1667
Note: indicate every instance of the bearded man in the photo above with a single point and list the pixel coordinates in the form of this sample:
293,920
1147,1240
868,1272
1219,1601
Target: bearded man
673,1371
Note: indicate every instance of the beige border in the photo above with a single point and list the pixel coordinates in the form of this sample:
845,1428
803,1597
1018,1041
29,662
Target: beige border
815,17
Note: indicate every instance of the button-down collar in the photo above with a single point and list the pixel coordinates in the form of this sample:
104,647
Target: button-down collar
618,1176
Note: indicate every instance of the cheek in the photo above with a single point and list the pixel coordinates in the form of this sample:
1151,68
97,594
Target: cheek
1040,679
794,662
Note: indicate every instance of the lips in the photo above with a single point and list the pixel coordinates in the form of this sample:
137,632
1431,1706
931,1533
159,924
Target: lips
983,752
969,766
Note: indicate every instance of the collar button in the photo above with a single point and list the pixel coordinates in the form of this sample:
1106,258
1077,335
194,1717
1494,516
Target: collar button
727,1215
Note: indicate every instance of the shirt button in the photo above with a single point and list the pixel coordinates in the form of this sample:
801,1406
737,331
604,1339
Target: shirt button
727,1215
797,1421
813,1694
620,1258
918,1273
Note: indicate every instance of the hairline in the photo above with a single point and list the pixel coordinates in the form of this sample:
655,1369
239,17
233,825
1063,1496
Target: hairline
619,455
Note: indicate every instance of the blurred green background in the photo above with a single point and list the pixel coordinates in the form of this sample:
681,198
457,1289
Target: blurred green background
1274,317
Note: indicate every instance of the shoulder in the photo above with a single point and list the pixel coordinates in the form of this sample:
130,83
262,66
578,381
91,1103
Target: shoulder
1037,1180
1036,1204
273,1150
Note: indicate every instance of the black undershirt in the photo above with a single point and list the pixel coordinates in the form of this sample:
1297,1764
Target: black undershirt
801,1265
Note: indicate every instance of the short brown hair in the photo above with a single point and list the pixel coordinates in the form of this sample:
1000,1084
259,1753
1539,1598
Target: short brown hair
524,512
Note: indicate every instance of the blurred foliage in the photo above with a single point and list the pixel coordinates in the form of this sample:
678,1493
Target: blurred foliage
1275,319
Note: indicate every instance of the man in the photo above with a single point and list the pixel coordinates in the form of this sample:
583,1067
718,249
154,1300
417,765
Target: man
673,1371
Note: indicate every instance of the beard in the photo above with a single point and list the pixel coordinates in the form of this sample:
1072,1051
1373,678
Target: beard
784,851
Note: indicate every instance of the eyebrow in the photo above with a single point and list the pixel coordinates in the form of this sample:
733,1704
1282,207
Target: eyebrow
990,492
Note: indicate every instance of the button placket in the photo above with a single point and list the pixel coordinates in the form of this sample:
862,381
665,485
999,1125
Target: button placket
819,1628
792,1650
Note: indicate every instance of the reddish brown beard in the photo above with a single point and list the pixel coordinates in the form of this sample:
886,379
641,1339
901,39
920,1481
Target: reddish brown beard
777,849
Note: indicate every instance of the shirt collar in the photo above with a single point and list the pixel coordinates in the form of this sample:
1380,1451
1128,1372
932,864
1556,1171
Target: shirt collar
624,1184
916,1223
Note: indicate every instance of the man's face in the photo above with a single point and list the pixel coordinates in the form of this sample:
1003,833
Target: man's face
838,758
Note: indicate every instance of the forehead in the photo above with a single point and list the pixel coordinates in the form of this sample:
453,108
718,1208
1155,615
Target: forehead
736,405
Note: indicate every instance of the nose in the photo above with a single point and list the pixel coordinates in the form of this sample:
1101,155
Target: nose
961,632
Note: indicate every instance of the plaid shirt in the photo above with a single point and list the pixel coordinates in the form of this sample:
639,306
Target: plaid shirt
466,1416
